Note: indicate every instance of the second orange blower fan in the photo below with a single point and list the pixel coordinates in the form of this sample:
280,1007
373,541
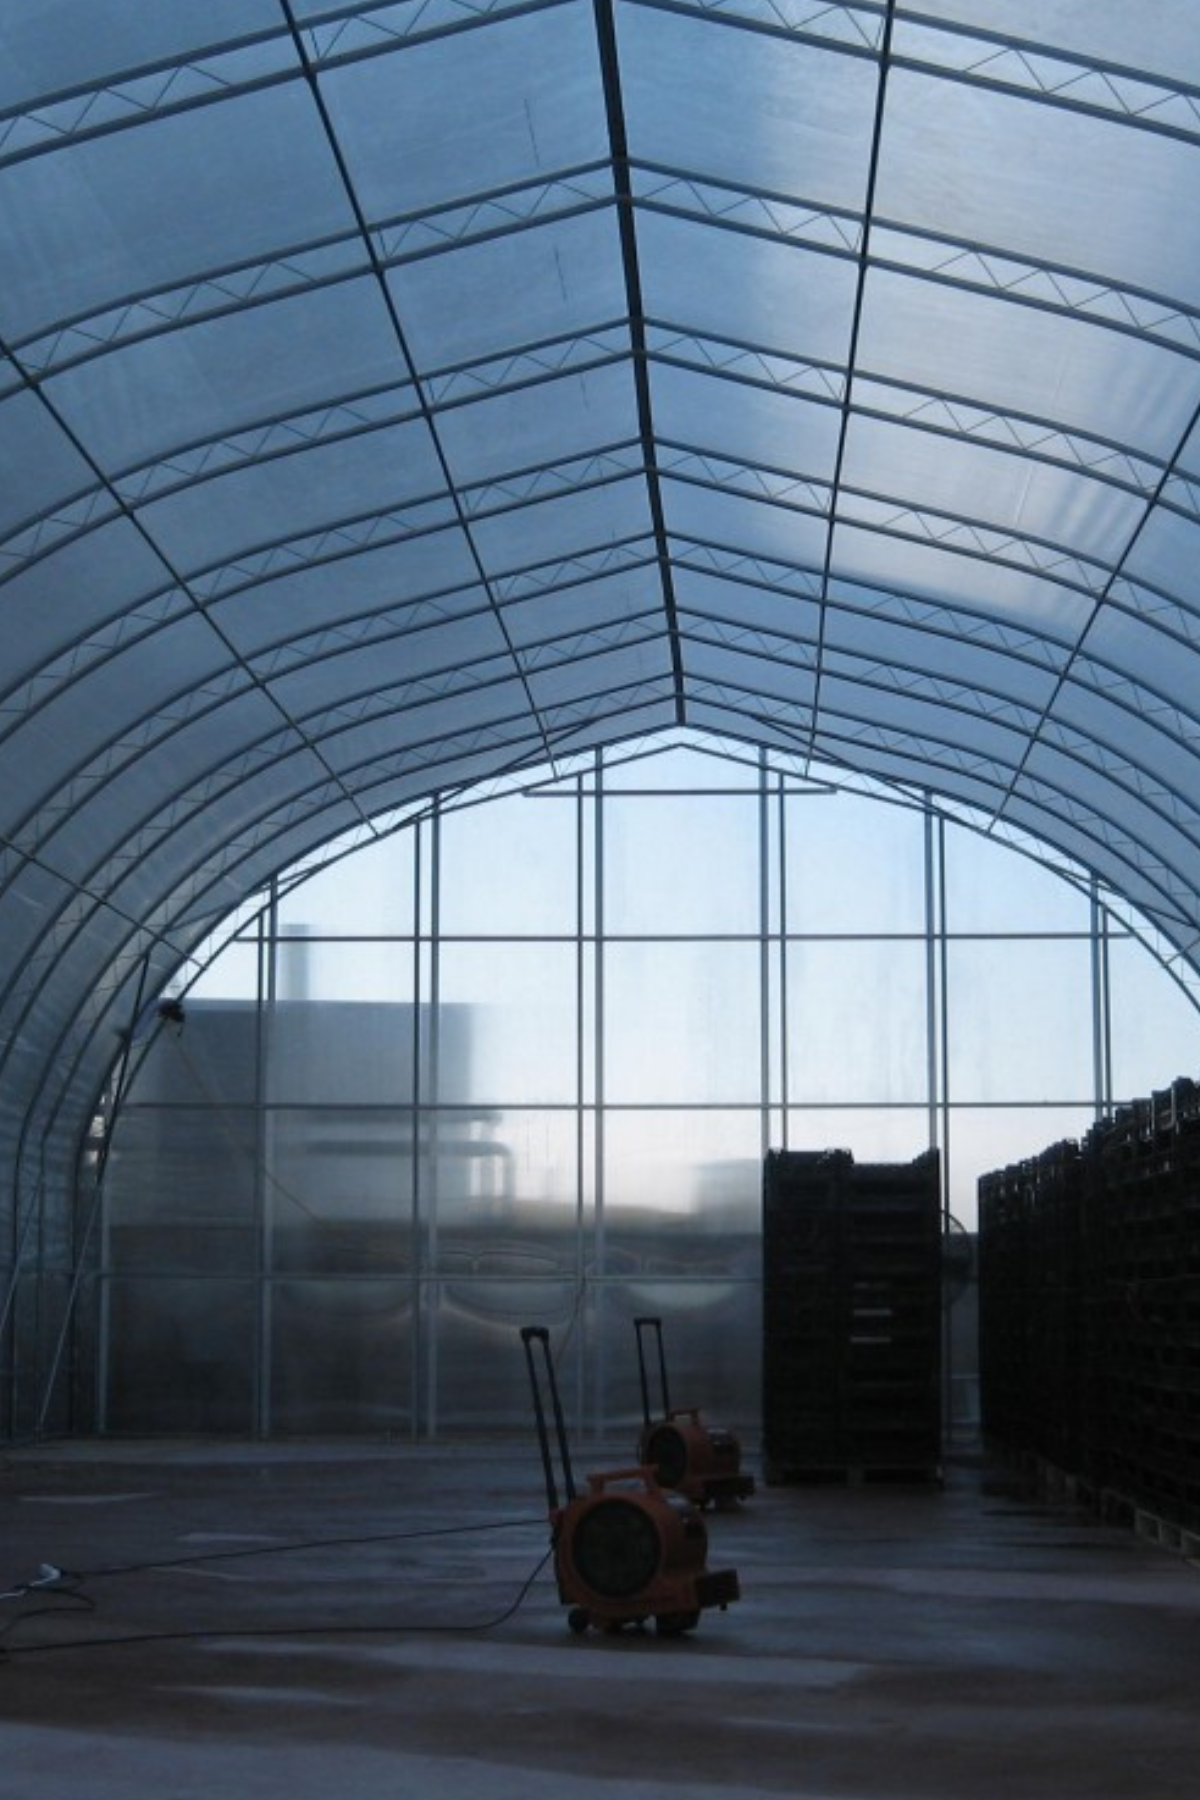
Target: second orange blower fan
702,1462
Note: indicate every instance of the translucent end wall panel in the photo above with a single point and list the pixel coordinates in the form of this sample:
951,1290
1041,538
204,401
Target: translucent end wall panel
681,1190
341,1355
480,1385
521,1032
378,899
35,1339
1147,1039
852,866
858,1021
872,1133
698,895
499,1192
182,1190
365,1160
179,1356
509,869
337,1190
1017,1024
712,1338
682,1022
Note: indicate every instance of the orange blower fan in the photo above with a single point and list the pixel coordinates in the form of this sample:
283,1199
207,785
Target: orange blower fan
625,1551
702,1462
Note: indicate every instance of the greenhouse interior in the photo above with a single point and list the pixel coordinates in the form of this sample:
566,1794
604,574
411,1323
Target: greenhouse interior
600,651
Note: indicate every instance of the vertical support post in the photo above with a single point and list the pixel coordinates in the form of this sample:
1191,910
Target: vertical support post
598,915
1101,1006
265,1035
937,1063
433,1134
581,1083
764,959
416,1136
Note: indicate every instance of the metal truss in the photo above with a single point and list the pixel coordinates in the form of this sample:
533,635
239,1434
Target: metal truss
1052,76
954,50
244,65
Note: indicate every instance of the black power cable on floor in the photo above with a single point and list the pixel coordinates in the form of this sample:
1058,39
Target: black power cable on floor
68,1586
76,1603
391,1628
337,1543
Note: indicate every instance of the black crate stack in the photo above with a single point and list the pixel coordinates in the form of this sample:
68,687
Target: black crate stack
1005,1327
852,1317
1089,1271
1032,1303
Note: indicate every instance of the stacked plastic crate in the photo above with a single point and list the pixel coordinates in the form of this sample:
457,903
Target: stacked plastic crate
852,1317
1005,1328
1042,1311
1146,1201
1090,1308
1055,1220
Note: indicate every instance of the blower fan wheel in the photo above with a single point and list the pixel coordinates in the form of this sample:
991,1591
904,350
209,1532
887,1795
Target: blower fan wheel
615,1548
665,1448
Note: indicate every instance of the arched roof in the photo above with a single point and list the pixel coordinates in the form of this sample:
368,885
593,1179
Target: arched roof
395,394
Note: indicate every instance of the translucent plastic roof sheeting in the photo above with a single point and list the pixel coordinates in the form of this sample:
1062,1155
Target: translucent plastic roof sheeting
392,395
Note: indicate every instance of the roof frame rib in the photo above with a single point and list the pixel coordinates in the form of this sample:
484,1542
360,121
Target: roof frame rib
614,107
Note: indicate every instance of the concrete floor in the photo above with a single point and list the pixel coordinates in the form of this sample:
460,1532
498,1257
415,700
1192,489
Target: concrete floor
322,1620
